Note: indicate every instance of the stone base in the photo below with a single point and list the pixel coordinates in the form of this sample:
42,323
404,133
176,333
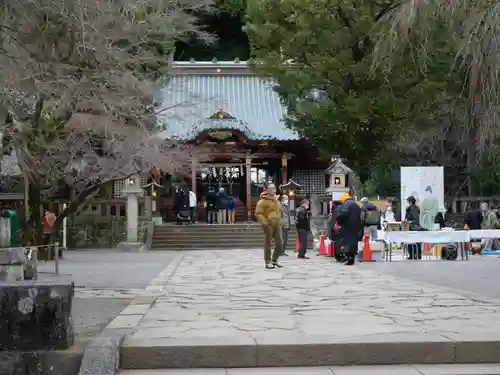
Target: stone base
11,273
132,247
42,362
36,316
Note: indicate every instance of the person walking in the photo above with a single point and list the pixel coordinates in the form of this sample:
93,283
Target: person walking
268,215
370,218
221,205
193,201
351,228
303,225
285,220
413,217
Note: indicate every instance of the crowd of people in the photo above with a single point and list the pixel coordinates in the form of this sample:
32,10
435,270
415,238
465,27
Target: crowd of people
220,207
346,226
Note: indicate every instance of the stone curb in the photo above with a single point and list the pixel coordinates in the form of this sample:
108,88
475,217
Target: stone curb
269,351
102,354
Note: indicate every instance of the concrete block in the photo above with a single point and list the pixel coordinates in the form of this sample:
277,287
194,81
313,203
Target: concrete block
102,356
375,370
36,315
10,273
12,255
368,350
476,347
135,310
125,321
188,353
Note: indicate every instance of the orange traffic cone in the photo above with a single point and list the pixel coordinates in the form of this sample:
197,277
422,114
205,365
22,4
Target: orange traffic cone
322,245
297,244
367,250
331,249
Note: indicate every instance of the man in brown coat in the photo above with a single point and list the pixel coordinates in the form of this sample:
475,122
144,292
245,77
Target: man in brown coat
268,214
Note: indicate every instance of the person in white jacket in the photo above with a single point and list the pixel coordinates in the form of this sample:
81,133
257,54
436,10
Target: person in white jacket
387,216
192,205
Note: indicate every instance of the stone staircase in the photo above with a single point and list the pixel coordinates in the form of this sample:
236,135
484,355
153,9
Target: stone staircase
210,237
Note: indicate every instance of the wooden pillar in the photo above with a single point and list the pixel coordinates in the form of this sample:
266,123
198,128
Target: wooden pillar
193,174
248,177
284,168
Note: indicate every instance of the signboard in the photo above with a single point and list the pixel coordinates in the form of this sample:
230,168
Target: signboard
422,183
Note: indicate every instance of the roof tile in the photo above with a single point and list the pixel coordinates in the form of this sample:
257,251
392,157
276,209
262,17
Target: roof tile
192,99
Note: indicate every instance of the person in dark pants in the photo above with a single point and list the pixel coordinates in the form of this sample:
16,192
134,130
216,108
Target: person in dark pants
333,232
413,217
474,217
211,209
303,225
349,219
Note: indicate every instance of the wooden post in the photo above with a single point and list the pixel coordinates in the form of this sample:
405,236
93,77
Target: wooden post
193,174
284,169
248,177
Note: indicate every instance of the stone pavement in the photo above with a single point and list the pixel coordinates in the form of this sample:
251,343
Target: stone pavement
106,282
223,309
467,369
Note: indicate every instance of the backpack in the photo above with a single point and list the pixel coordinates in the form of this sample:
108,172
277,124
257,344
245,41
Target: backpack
371,217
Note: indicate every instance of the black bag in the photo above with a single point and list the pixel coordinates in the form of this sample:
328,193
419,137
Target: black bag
449,252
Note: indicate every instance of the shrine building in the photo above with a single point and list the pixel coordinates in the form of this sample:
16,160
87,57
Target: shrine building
235,120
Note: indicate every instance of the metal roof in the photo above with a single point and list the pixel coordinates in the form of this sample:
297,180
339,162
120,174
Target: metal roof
197,90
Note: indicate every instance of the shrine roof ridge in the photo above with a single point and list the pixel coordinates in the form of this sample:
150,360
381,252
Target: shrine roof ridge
220,68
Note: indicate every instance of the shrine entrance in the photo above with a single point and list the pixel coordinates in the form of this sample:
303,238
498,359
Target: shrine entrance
232,177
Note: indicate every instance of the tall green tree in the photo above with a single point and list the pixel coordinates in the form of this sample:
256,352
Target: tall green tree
319,54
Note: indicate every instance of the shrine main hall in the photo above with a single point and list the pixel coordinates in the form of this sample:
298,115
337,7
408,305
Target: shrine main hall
236,120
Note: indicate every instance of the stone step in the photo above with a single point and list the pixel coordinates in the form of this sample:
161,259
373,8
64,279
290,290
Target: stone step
327,350
453,369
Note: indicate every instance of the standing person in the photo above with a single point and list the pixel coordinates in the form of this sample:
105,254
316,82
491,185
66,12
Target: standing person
413,217
388,216
488,222
210,208
268,215
303,225
334,232
221,205
48,225
349,219
231,210
474,217
285,223
193,201
370,218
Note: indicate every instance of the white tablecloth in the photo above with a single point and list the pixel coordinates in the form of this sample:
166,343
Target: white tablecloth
487,234
432,237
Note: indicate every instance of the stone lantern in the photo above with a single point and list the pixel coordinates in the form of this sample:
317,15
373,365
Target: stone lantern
290,189
132,192
338,174
150,202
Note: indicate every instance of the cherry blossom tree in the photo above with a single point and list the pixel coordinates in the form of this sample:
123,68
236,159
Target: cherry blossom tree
78,81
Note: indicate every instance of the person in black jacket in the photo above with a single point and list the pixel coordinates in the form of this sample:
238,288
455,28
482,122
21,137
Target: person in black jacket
413,217
334,234
349,219
303,226
211,210
474,217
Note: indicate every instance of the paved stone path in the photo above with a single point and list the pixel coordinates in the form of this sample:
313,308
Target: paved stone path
230,294
480,369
